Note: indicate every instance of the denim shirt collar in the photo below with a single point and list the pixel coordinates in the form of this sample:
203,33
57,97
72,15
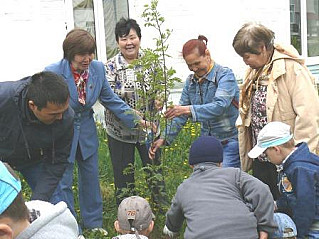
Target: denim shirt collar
210,77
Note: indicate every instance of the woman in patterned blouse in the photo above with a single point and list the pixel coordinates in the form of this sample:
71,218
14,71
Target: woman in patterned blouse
122,141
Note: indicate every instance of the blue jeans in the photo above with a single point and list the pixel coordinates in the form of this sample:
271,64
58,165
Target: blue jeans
283,222
313,232
31,174
90,199
231,154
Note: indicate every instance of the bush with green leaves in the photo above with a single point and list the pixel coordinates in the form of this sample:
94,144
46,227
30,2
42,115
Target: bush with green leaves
153,74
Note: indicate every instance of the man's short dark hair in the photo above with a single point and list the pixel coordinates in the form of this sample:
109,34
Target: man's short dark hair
123,27
47,87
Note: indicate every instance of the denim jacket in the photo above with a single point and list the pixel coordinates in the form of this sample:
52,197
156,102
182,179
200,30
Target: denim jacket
211,104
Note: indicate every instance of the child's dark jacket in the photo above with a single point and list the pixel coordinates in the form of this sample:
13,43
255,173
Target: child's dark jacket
302,171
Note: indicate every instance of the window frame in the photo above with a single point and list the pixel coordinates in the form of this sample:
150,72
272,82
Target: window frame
310,60
101,54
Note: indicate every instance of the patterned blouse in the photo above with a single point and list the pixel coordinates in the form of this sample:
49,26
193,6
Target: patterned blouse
258,114
123,81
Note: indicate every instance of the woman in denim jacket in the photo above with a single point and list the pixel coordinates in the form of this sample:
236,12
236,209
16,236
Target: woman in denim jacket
210,96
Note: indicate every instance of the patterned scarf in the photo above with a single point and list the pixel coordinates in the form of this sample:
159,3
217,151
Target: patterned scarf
253,78
80,82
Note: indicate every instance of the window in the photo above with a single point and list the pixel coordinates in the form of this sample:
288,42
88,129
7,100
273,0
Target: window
83,15
99,17
304,26
113,11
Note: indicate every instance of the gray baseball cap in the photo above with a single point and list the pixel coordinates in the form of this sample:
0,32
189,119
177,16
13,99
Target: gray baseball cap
138,210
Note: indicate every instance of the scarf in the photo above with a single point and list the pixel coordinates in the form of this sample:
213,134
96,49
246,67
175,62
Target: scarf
80,80
253,79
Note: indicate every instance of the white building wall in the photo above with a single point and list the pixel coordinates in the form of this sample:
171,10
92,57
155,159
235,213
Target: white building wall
32,32
218,21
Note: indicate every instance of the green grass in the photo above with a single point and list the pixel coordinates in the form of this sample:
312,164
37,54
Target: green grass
175,169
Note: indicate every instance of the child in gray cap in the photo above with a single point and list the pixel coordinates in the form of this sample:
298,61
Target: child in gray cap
134,219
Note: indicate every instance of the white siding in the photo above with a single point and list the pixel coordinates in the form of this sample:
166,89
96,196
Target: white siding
218,21
32,32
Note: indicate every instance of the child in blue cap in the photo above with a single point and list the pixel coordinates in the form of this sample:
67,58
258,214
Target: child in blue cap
35,219
298,176
14,214
219,202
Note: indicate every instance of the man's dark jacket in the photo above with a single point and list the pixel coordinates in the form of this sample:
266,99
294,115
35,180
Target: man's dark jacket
25,141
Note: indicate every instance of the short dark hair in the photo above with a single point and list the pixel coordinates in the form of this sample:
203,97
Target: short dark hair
17,211
78,41
251,36
45,87
123,27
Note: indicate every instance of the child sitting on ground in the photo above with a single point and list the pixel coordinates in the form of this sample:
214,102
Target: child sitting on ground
134,219
219,202
298,176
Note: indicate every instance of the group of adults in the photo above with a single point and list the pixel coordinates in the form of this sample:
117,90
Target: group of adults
47,123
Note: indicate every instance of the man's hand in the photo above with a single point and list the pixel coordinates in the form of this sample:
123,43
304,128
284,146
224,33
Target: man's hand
155,146
177,110
263,235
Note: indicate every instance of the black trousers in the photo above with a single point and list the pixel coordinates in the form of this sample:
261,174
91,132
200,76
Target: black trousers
267,173
122,154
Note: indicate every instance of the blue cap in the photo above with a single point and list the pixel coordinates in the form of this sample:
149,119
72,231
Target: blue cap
205,149
286,226
9,188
